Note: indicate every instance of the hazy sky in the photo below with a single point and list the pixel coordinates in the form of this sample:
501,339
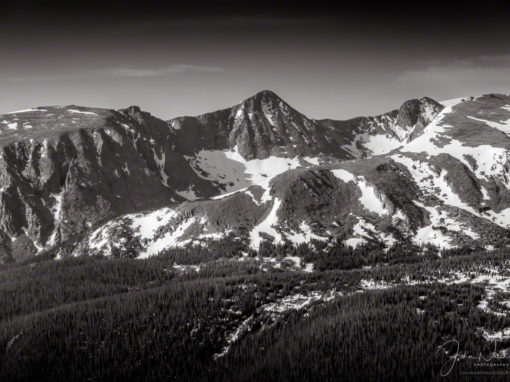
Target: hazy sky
190,59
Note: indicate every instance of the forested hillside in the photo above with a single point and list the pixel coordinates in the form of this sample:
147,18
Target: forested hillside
202,317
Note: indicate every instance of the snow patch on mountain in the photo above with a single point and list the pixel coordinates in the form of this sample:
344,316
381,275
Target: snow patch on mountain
434,233
267,226
312,160
229,169
80,112
361,233
304,235
501,218
370,199
188,194
261,171
377,144
25,111
432,181
223,196
160,162
217,166
452,102
364,231
369,195
502,126
146,225
56,210
168,240
343,175
382,144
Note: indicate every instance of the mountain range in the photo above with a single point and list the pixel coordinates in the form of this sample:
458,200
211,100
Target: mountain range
77,180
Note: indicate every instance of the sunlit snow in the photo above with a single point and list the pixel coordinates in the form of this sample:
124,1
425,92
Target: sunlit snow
25,111
234,172
382,144
188,193
502,126
80,112
303,235
266,226
369,196
343,175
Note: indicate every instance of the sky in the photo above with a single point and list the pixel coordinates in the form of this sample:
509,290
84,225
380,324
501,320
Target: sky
191,57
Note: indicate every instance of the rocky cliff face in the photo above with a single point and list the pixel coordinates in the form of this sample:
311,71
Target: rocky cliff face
259,127
62,170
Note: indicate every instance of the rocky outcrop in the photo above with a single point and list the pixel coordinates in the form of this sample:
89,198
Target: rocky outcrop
414,115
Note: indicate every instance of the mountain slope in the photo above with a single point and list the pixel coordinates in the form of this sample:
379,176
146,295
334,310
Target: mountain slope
123,182
446,187
366,136
62,170
257,133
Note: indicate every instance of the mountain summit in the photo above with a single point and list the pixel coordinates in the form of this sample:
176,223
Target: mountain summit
260,126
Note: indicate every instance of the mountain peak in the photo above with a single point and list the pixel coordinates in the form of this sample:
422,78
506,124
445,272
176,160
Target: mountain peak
415,114
133,109
265,125
263,97
419,104
267,93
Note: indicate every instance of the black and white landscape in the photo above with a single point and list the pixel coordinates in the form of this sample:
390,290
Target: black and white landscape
254,242
123,183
